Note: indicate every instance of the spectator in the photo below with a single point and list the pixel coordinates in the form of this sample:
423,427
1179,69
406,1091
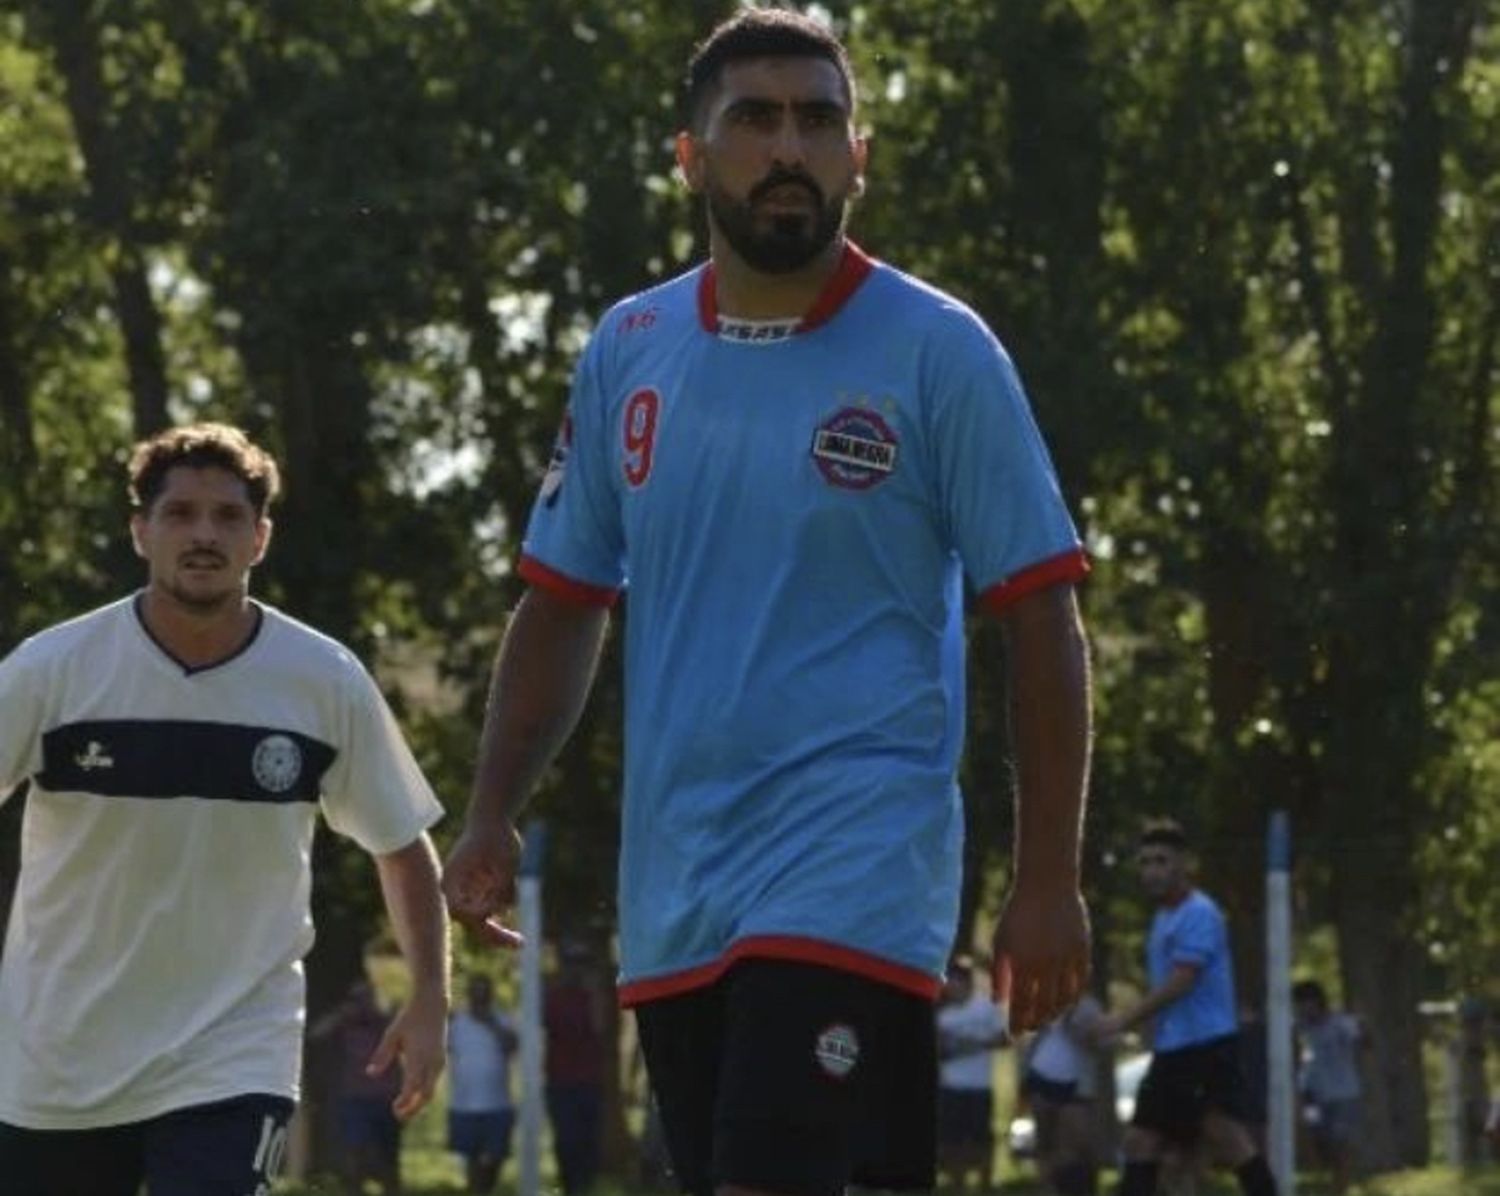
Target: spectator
369,1131
1061,1083
969,1028
573,1015
1332,1094
481,1042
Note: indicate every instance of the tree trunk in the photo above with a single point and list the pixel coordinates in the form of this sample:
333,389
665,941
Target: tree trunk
71,28
1389,600
17,434
1382,971
323,402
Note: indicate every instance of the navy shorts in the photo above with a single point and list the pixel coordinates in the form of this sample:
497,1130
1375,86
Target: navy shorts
795,1078
481,1135
368,1123
228,1148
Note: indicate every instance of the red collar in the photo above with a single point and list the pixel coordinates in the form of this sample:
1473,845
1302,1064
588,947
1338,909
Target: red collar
853,268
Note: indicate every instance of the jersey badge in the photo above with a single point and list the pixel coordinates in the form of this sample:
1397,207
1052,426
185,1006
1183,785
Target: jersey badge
639,321
96,755
837,1050
757,332
276,763
855,448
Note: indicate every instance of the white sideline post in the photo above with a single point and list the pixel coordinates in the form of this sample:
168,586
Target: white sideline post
529,914
1281,1083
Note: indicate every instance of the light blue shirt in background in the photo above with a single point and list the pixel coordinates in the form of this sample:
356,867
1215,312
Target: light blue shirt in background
1193,932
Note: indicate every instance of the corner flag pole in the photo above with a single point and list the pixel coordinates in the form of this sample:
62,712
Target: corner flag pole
1281,1086
529,914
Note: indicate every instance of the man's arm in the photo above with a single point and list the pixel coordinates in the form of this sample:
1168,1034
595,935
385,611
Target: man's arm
417,1036
1179,980
1042,939
541,680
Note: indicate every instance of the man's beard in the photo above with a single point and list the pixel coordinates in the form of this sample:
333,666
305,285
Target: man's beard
202,602
792,240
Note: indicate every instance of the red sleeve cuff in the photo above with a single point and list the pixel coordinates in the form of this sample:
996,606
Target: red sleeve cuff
1070,566
581,592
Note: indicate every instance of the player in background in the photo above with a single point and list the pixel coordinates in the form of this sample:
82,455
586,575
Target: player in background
180,744
1193,1088
790,458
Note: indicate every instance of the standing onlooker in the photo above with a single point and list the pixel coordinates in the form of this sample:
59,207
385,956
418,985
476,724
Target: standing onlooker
368,1128
1193,1085
573,1014
970,1027
481,1042
1332,1094
1061,1082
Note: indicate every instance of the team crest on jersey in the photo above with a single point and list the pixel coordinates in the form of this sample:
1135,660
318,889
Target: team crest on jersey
837,1050
855,448
276,763
557,466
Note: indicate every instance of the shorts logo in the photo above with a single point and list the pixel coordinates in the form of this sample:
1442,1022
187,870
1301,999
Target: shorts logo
557,467
277,763
855,449
837,1050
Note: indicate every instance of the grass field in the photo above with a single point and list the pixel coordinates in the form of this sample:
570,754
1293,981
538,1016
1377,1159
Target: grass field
434,1173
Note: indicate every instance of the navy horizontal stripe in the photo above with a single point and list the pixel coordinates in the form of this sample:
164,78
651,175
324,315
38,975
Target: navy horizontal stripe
163,758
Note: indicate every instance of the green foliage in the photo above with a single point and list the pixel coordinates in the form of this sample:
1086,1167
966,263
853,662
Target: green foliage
1244,254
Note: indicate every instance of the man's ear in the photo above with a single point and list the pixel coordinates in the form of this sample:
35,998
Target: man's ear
689,160
137,531
263,528
861,164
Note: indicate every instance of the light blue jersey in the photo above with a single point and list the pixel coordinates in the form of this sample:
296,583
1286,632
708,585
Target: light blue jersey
791,510
1193,932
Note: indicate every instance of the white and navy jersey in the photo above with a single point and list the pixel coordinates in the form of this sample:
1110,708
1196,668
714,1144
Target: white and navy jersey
153,958
793,510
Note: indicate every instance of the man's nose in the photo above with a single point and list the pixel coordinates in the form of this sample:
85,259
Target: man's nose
788,147
204,530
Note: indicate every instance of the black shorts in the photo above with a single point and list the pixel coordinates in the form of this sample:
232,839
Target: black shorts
966,1117
1056,1092
228,1148
795,1078
1181,1086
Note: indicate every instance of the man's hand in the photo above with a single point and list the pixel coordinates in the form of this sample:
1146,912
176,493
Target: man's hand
418,1038
479,881
1041,952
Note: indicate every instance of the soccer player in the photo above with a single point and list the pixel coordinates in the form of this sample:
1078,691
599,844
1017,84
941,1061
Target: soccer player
789,459
1193,1087
179,744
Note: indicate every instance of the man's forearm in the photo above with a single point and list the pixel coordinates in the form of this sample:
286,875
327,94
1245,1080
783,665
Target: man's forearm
541,680
1170,990
1050,720
414,901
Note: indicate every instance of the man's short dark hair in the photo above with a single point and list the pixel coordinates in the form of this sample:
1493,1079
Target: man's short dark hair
199,446
1163,832
1309,990
760,33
